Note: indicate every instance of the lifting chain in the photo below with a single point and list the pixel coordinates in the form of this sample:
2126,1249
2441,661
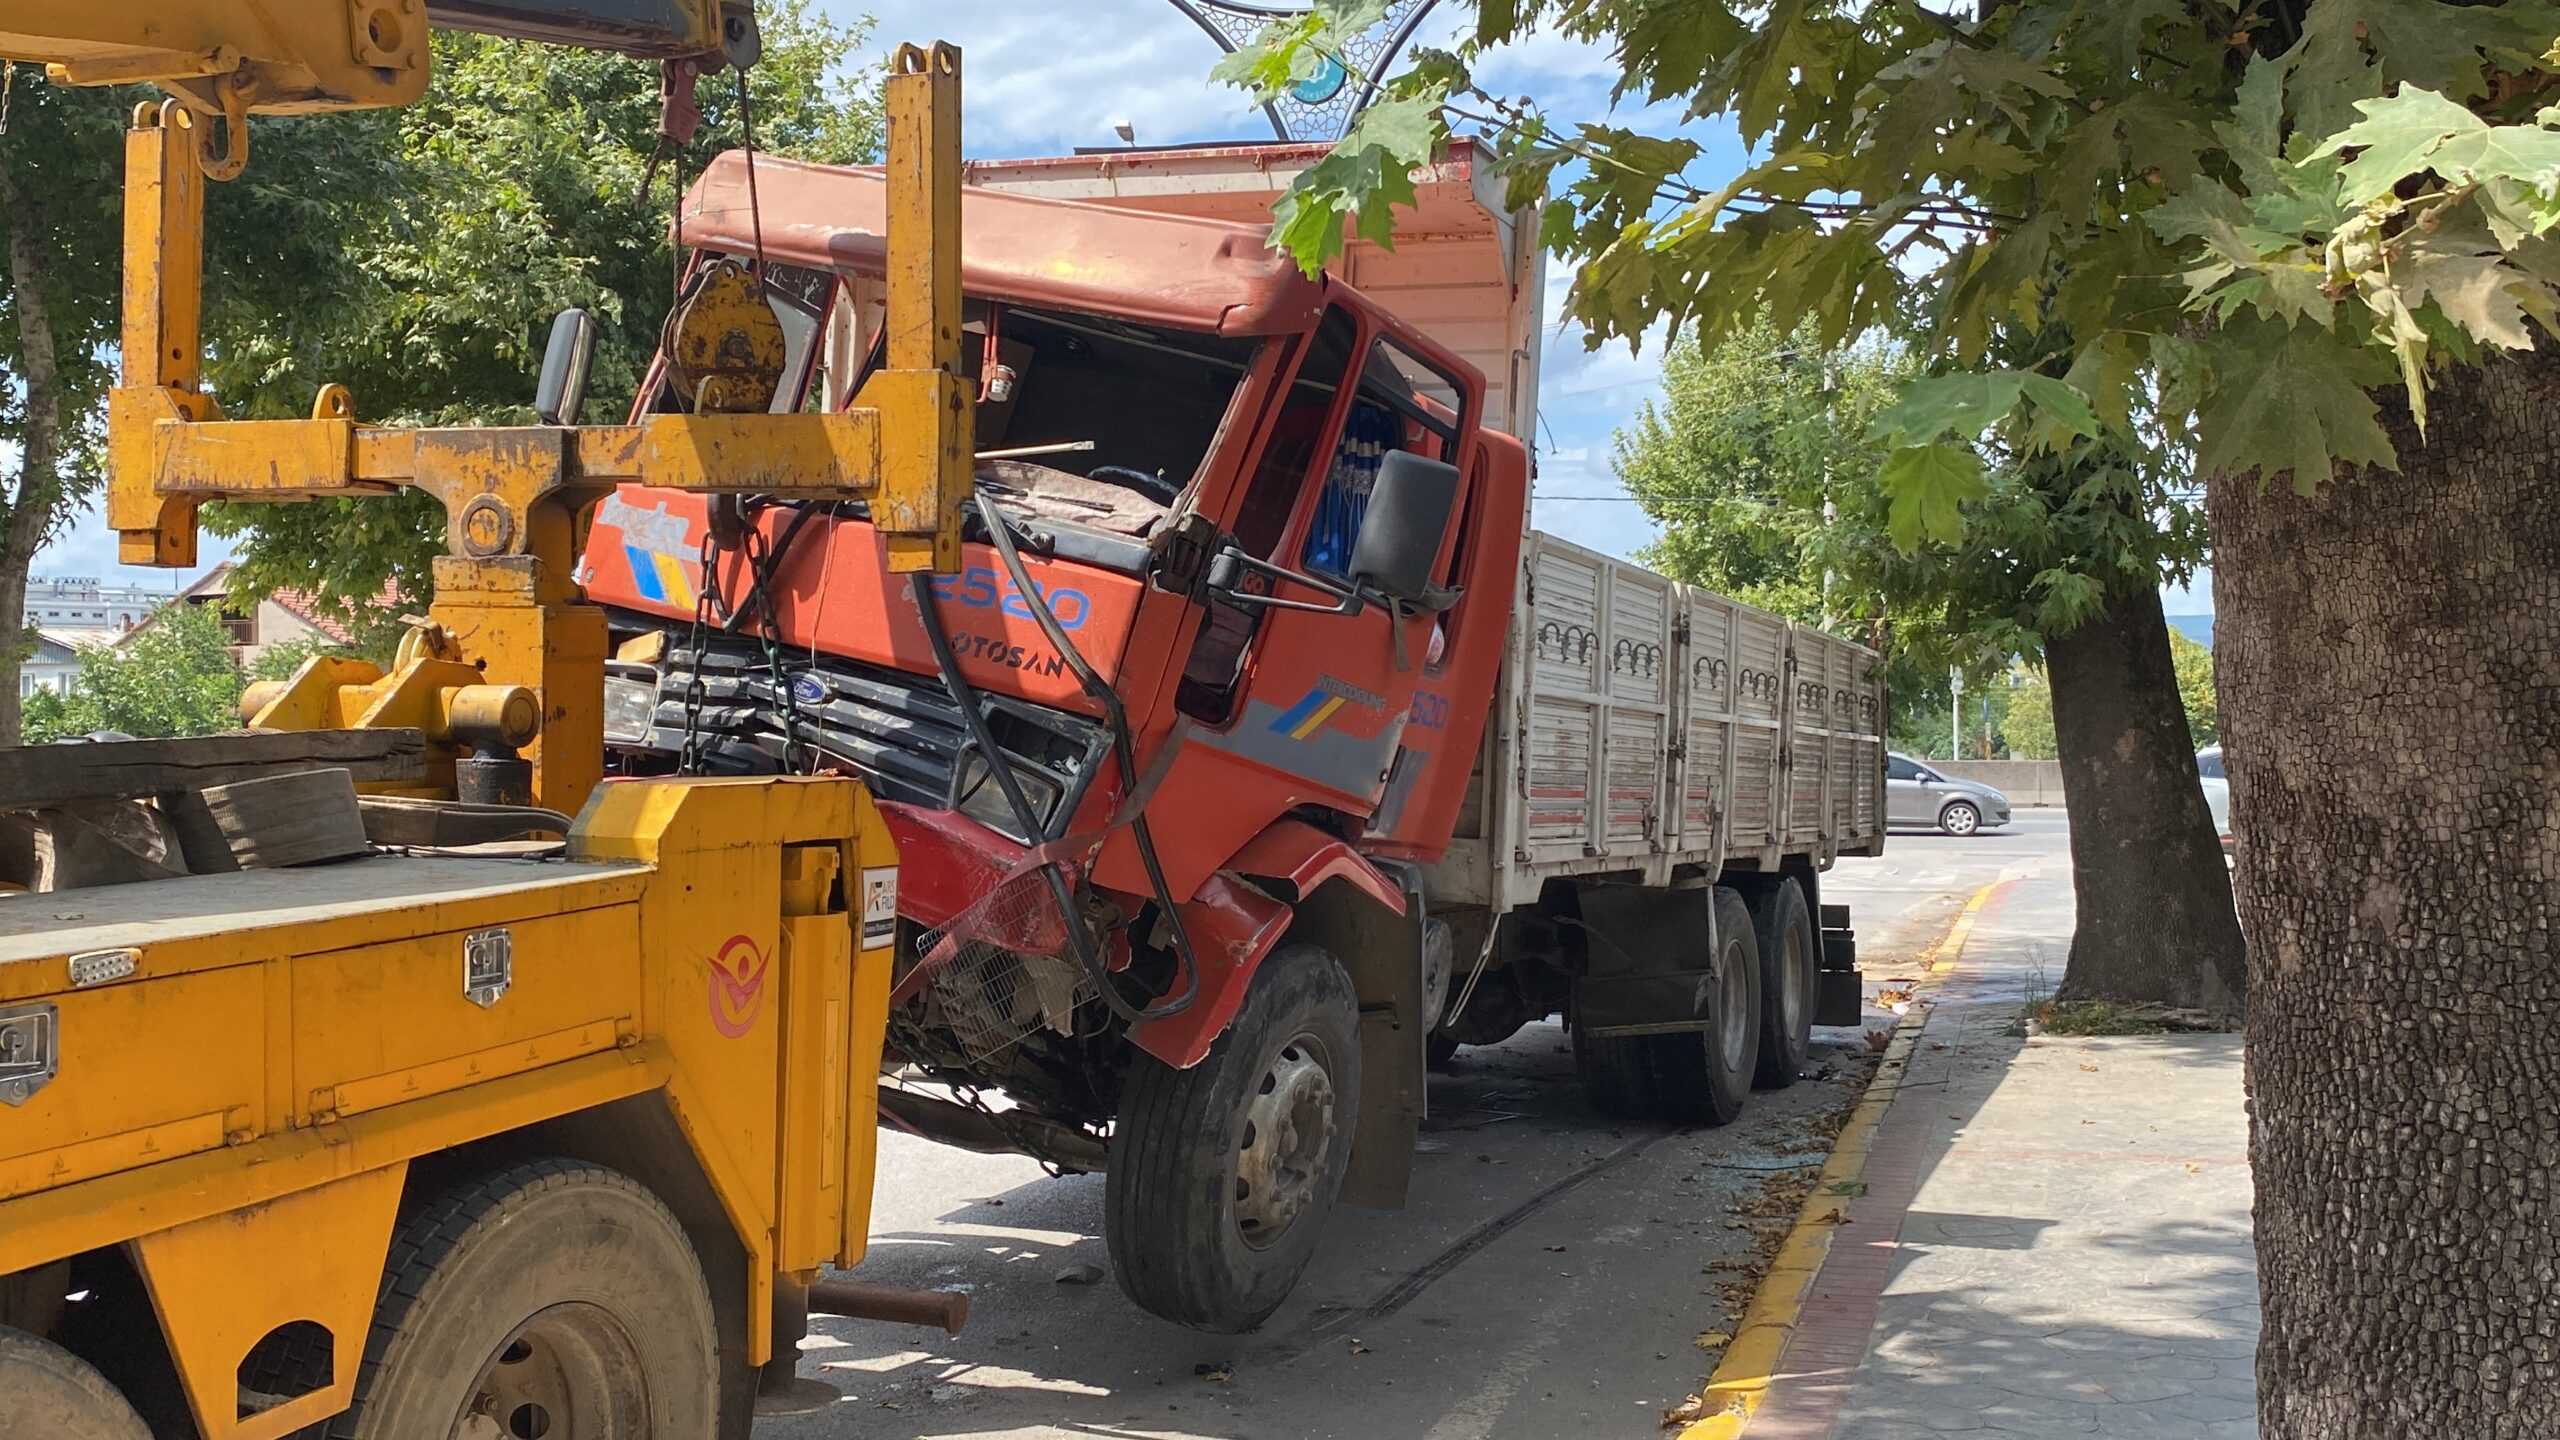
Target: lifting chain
761,564
915,1044
689,756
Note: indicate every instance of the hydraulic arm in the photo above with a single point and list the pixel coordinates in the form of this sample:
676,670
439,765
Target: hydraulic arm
507,612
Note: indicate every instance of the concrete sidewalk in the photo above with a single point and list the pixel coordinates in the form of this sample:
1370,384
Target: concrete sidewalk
2054,1237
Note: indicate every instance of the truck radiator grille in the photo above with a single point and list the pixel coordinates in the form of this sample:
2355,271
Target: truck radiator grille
998,970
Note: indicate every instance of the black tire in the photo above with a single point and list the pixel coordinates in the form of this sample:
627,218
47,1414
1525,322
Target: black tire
1790,982
558,1297
1617,1073
1217,1193
1960,817
1705,1078
47,1391
1438,1050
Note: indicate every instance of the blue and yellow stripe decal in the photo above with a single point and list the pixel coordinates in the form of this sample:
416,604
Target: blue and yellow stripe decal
659,577
1307,716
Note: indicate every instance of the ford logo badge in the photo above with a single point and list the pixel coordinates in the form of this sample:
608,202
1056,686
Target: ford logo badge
807,690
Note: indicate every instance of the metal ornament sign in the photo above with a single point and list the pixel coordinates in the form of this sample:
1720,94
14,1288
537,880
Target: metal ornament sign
1322,106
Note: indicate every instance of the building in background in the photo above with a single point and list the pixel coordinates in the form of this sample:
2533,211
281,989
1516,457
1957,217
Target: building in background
84,602
255,627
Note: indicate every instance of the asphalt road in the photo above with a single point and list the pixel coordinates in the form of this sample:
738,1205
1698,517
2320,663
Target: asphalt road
1547,1279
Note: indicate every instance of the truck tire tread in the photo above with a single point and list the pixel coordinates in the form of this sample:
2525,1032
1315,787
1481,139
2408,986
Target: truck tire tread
1784,928
1168,1216
55,1394
438,1235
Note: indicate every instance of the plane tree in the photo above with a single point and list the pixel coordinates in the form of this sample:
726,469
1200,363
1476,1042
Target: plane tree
1762,465
2314,237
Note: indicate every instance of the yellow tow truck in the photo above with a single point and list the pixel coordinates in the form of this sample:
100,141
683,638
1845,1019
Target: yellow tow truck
443,1142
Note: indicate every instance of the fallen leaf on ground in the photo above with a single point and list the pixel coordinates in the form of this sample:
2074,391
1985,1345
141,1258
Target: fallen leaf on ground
1712,1340
2195,1169
1880,1038
1216,1371
1845,1187
1686,1412
1357,1348
1888,998
2088,1122
2085,1065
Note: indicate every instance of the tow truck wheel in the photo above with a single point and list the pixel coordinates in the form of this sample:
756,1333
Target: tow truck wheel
46,1390
1222,1175
1789,978
554,1300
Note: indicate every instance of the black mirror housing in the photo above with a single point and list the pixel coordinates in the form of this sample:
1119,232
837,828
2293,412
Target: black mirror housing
567,356
1410,505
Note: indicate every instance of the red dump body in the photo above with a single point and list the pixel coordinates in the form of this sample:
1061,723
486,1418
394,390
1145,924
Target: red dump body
1277,750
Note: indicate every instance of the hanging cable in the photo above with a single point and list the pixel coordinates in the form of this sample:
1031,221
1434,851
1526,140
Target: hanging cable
1123,747
972,713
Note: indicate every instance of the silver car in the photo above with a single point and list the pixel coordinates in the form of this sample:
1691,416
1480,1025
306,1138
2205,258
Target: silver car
2217,791
1914,794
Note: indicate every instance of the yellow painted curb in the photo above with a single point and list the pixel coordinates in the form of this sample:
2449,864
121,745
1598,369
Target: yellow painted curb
1742,1378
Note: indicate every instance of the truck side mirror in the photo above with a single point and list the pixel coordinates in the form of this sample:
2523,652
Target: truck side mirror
561,393
1410,505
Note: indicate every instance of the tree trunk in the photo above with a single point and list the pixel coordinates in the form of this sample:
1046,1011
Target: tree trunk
2390,681
38,494
2156,925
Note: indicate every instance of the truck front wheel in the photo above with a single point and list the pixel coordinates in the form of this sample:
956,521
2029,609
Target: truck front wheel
1222,1175
554,1299
47,1391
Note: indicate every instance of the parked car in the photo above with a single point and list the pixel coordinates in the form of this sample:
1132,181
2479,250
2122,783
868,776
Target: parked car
1914,794
2217,791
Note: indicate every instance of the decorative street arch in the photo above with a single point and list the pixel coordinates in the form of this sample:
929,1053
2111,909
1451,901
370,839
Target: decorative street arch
1322,106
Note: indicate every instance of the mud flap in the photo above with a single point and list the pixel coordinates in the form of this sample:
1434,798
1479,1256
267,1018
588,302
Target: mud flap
1383,952
1651,956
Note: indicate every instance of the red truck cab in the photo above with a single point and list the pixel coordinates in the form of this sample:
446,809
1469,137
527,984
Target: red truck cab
1228,751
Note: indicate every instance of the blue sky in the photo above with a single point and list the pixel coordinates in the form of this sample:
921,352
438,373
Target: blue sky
1045,78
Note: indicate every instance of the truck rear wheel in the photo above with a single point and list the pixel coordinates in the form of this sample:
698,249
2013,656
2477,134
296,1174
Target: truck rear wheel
1705,1078
1222,1175
1790,978
554,1300
47,1391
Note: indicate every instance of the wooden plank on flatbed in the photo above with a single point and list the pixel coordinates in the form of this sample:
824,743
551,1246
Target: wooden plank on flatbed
34,776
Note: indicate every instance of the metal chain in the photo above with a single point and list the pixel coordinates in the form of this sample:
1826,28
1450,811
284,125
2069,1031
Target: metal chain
795,755
689,757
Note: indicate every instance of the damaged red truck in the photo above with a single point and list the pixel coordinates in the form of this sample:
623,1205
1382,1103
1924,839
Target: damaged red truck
1259,750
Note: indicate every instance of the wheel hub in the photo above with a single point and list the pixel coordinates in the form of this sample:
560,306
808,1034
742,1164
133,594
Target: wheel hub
569,1373
1288,1133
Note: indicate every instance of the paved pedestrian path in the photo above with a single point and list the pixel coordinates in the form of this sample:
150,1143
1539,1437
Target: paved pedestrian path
2054,1237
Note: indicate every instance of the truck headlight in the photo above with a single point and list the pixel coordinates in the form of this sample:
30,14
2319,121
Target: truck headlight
982,798
629,706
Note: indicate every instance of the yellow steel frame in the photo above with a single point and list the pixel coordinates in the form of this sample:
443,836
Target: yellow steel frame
255,1186
514,497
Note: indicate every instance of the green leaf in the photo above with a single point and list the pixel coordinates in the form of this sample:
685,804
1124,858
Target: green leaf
2059,404
2289,401
2481,293
1928,487
1963,404
2394,139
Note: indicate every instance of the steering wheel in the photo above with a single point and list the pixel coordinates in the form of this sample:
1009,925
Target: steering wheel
1154,487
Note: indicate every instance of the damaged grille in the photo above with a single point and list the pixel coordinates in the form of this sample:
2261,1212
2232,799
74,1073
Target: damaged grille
902,733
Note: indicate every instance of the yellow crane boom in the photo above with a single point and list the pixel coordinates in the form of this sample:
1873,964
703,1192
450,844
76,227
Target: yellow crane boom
506,611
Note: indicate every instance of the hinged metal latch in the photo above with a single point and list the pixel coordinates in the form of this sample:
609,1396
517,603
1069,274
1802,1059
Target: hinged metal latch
488,965
30,1051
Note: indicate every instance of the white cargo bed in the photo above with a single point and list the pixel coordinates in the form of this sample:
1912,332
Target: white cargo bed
1654,731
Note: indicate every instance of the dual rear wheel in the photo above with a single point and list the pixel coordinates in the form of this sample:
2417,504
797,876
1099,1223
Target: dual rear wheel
1693,1076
